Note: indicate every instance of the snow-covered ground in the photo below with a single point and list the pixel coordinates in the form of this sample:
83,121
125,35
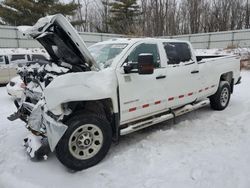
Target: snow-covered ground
204,149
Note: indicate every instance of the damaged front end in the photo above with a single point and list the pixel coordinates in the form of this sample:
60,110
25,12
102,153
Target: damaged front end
42,124
46,132
68,54
46,128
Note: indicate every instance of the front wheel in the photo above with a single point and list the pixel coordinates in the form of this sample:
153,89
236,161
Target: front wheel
220,100
85,143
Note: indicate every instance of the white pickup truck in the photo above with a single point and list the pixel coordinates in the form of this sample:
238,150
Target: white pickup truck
86,97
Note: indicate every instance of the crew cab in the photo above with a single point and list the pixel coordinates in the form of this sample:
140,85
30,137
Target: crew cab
89,97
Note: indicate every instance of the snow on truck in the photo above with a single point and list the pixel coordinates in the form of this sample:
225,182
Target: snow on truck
85,98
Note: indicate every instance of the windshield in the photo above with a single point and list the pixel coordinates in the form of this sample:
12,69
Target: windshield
105,53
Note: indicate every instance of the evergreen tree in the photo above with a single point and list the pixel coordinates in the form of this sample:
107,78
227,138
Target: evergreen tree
27,12
124,14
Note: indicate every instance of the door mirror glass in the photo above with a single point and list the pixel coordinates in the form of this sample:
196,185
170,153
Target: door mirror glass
145,64
131,65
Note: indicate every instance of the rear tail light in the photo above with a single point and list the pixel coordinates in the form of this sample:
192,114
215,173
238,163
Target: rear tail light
23,85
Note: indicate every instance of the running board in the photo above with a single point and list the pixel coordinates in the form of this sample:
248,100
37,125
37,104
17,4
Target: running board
165,117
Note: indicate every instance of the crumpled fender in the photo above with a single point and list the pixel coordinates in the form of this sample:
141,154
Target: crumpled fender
54,130
83,86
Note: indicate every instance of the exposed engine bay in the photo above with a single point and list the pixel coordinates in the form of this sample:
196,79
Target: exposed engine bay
36,77
66,57
56,90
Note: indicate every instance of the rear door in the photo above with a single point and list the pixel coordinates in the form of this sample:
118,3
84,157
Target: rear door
183,79
141,95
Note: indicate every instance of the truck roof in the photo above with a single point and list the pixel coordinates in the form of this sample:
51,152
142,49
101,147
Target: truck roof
134,40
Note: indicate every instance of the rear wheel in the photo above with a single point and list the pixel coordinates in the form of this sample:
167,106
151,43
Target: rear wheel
220,100
85,143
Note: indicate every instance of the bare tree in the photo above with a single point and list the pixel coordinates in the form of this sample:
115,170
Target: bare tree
247,15
171,17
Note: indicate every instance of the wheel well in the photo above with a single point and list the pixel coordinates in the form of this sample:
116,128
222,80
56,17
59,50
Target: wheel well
228,77
103,108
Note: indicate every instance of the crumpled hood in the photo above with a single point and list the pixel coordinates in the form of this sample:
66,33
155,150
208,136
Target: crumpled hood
61,40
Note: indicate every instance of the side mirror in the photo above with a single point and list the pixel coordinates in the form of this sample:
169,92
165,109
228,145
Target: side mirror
129,67
145,64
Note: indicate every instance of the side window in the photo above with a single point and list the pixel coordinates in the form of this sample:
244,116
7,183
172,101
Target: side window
1,60
17,57
38,57
177,52
28,57
6,60
145,48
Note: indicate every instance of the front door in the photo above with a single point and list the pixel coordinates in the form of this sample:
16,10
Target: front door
141,95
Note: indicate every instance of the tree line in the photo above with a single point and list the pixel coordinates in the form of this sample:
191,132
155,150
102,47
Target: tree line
137,17
174,17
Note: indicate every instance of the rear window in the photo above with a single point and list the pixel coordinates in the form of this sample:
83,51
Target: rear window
177,52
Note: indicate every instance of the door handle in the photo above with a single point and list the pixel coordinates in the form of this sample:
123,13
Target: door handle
195,72
160,77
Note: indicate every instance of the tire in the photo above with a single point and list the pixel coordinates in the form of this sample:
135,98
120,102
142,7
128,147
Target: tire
219,101
85,143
